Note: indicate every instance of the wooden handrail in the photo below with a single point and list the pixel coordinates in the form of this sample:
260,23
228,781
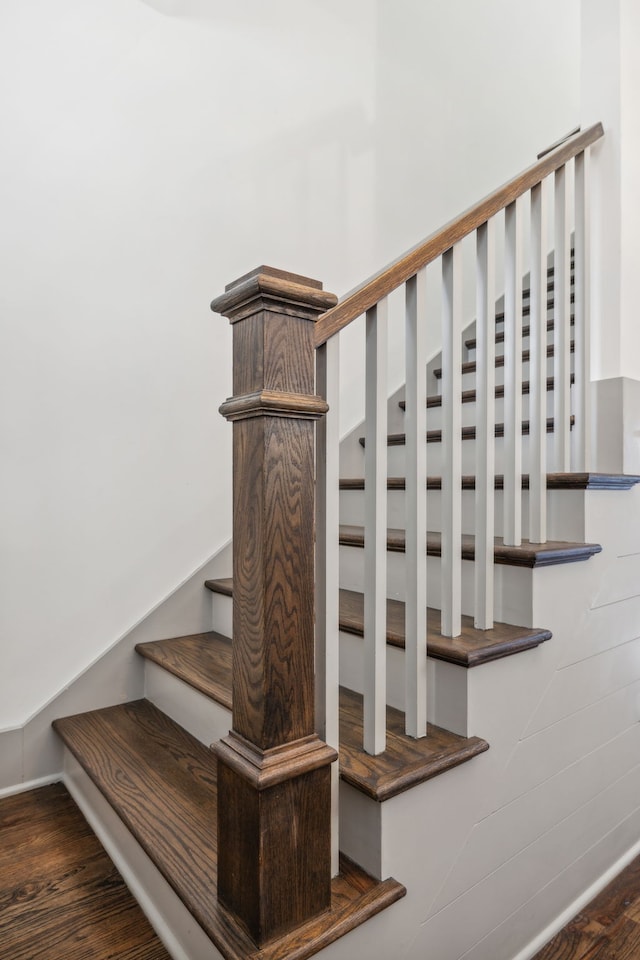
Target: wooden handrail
389,279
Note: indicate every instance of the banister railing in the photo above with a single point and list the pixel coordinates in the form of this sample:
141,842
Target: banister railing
406,266
523,203
275,767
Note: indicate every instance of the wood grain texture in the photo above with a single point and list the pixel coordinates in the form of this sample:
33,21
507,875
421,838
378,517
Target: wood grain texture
273,696
61,898
383,283
470,365
555,481
405,762
547,554
203,660
468,433
607,928
469,396
162,783
472,648
278,290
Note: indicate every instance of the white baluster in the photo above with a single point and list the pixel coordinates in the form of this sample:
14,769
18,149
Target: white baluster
485,424
375,531
451,441
582,355
327,568
562,325
538,366
416,507
513,374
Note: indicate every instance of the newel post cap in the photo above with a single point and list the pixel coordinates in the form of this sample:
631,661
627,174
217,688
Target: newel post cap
276,291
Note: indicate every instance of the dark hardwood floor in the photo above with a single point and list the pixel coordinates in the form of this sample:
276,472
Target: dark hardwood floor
607,929
61,898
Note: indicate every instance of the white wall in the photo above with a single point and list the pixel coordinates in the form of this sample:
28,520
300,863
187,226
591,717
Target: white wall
152,152
610,83
467,94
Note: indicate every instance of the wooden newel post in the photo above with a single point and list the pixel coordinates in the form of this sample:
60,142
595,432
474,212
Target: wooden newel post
274,855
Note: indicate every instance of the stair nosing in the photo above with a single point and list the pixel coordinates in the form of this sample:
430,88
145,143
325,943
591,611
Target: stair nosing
469,396
448,649
468,433
469,366
551,553
555,481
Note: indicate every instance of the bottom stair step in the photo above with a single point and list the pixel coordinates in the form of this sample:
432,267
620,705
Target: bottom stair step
162,784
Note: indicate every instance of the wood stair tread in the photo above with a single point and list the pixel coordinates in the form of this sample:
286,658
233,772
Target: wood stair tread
405,762
471,649
555,481
162,783
551,553
526,330
203,660
470,365
469,396
468,433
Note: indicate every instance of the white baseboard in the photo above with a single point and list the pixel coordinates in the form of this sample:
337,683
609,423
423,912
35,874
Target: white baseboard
574,908
29,785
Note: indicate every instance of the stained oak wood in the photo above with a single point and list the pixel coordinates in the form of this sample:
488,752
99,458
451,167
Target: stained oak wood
273,769
468,433
202,659
469,396
162,783
470,365
387,280
555,481
472,648
551,553
405,762
61,897
608,927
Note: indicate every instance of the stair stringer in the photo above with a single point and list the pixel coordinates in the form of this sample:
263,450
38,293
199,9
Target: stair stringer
496,852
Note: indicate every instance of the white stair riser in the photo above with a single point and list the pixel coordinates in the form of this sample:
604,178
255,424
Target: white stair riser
468,379
396,457
446,683
565,516
469,353
513,586
204,718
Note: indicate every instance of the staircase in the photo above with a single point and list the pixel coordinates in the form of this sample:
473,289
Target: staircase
177,816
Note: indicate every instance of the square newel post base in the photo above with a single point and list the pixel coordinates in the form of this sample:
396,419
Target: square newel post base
274,867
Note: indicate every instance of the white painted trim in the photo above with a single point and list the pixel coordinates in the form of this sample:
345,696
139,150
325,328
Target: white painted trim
183,937
29,785
577,905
